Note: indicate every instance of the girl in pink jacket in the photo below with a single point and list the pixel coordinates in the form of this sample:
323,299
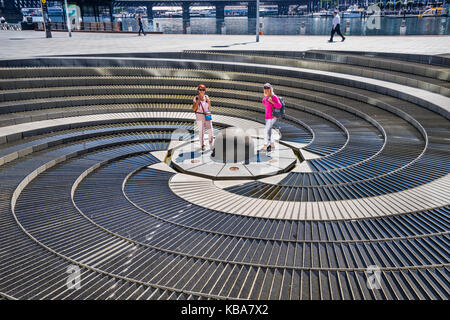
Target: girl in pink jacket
269,101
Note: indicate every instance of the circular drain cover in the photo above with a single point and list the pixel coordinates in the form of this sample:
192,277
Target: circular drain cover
16,38
234,168
195,161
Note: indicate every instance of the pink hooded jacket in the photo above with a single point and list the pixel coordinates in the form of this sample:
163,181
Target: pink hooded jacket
268,105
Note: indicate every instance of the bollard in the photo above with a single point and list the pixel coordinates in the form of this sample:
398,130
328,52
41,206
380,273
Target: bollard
302,28
347,27
157,27
223,28
130,28
442,26
260,28
403,27
188,27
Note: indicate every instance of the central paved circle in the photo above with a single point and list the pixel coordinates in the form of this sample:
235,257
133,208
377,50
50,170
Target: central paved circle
238,155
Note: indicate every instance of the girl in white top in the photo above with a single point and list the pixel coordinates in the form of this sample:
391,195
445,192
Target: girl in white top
201,106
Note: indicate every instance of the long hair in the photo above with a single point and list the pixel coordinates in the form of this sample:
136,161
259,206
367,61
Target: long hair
271,91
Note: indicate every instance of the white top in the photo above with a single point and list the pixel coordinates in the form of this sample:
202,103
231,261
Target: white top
203,104
336,20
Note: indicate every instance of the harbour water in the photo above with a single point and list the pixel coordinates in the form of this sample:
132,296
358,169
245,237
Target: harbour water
290,25
295,25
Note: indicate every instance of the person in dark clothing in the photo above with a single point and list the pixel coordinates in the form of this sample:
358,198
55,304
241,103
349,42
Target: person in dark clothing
336,27
141,24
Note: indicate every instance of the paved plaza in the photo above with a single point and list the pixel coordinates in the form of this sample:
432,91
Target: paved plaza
20,44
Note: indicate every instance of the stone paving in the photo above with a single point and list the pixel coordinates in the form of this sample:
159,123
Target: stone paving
21,44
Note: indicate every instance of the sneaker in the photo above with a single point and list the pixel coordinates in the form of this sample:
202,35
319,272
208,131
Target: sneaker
203,148
213,153
330,40
269,148
342,39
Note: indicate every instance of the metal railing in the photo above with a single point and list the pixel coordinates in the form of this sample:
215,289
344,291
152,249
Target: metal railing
90,26
11,26
84,26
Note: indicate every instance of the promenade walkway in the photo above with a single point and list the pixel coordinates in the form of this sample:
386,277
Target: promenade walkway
20,44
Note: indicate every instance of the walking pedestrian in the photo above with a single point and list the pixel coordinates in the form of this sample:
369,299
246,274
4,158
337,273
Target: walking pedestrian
336,26
270,101
202,108
141,24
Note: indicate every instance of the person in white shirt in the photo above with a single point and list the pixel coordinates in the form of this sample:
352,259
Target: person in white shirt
336,26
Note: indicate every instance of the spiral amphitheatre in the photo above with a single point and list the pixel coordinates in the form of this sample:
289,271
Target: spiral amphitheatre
87,180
